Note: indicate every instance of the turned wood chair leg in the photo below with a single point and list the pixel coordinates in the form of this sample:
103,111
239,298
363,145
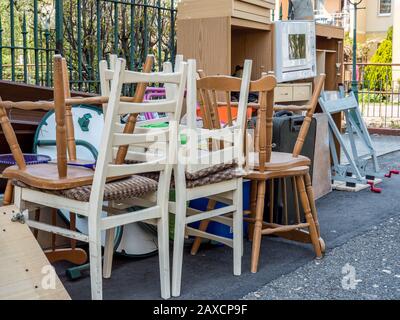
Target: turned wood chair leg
255,254
8,194
309,218
311,198
203,227
253,207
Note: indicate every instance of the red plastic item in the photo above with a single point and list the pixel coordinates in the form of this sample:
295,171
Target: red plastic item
374,188
392,172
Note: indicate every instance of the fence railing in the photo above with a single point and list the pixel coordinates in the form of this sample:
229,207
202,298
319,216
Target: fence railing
379,94
85,32
338,19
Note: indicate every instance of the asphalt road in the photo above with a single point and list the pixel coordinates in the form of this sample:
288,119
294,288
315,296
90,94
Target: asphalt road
365,268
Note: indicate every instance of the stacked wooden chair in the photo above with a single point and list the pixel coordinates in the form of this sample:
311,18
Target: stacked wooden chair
73,254
205,172
85,191
275,166
265,165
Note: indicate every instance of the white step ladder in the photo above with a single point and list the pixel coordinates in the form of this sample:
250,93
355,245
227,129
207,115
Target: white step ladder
355,172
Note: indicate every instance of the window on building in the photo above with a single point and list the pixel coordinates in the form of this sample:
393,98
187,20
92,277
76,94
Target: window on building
385,7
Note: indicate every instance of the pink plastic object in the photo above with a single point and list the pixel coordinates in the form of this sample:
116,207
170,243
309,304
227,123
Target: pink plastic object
374,189
392,172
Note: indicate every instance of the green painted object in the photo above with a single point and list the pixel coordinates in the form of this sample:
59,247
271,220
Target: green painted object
165,125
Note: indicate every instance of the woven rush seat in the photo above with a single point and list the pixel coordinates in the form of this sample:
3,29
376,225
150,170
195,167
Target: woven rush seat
216,177
204,177
133,187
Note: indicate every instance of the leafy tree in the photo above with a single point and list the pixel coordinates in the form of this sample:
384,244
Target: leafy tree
127,29
379,78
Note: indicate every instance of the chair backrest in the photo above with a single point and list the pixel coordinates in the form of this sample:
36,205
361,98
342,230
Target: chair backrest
105,85
162,143
318,86
69,121
211,92
64,133
263,141
60,115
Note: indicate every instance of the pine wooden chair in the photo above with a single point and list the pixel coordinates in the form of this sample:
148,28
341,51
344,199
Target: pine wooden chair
265,165
74,255
113,182
203,172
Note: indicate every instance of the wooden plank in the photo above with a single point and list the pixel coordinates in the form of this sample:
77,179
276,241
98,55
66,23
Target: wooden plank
236,22
24,267
194,9
251,8
330,32
250,16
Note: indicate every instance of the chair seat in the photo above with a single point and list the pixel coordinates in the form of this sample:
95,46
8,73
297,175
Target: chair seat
45,176
279,161
128,188
266,175
215,174
215,177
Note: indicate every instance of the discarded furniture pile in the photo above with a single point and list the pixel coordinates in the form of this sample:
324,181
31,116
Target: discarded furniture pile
129,167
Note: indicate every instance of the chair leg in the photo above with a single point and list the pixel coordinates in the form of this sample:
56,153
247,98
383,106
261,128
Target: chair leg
255,255
179,239
296,200
96,280
37,218
163,254
284,198
8,194
271,201
311,198
309,218
203,227
238,229
253,206
108,253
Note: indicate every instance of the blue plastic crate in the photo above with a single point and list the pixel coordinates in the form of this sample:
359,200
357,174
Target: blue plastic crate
216,227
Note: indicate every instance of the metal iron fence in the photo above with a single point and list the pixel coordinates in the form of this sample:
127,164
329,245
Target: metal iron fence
379,94
85,32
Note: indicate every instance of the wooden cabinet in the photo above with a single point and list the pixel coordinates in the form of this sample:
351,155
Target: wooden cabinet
221,34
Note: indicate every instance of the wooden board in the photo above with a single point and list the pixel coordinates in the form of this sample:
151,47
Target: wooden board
253,10
341,186
22,262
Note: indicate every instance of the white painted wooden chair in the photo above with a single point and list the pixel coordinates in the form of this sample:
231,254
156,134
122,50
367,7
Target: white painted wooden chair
204,172
114,183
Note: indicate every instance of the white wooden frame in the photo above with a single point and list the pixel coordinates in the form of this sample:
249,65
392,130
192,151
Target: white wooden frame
231,188
157,212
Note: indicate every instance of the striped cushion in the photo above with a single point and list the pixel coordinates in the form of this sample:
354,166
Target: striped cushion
133,187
